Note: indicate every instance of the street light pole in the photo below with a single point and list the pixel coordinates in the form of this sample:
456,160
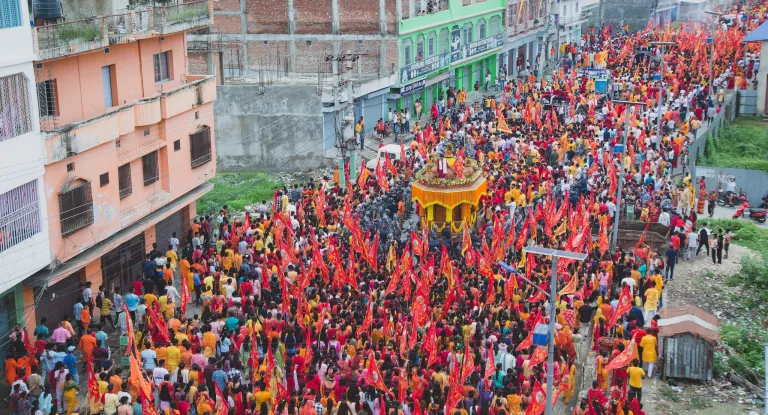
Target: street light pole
660,100
617,212
555,254
712,45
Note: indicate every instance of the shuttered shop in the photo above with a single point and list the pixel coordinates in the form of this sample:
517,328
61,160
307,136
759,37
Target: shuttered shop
58,299
166,227
121,265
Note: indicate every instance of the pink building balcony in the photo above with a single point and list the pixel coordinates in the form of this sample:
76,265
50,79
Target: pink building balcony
69,38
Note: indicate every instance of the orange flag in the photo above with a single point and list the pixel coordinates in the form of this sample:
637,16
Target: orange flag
623,307
374,377
490,367
538,401
539,355
623,358
570,288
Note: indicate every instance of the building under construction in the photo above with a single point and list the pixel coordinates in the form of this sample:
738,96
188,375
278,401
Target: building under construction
292,73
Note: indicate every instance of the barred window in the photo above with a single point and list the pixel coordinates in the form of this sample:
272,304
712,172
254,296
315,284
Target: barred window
150,167
162,66
10,13
46,98
19,215
15,117
76,208
124,180
200,146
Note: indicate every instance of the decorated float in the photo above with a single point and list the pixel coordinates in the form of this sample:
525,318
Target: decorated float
448,190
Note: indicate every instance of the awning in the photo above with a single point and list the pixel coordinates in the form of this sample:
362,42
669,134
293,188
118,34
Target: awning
430,81
759,34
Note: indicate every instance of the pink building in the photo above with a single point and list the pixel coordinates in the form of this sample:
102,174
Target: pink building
129,145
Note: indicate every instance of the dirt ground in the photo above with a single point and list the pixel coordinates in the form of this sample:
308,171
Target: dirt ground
703,284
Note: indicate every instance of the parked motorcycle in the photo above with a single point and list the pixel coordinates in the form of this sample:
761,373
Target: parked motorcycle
726,198
756,214
764,203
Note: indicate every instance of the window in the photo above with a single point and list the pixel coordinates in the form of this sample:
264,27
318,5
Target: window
200,146
15,116
10,13
104,179
76,208
46,97
71,166
177,145
431,45
162,66
481,30
19,215
407,53
146,132
197,115
467,29
124,180
150,168
419,47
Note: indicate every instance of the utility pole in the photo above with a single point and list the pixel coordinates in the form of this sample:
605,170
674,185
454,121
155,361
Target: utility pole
712,44
660,99
345,118
555,254
617,214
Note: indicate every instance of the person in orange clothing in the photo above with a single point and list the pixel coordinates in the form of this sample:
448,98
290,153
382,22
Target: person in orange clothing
85,318
11,370
116,380
87,344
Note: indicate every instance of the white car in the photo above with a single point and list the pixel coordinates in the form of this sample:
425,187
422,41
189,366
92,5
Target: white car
394,154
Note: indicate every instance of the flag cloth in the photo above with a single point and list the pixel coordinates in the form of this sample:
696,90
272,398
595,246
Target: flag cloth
490,366
570,288
468,365
363,176
374,377
623,307
224,407
93,385
539,355
623,358
538,401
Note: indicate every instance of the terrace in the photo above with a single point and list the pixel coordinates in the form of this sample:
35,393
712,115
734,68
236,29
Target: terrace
69,38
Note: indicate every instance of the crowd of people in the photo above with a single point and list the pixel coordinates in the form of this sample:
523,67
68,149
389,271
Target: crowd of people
333,300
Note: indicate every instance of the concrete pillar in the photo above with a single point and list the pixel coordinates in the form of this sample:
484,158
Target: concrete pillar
762,75
513,69
382,17
243,39
335,16
24,300
398,11
291,18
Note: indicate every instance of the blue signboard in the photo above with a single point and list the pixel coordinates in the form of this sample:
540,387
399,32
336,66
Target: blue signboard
413,87
476,48
618,148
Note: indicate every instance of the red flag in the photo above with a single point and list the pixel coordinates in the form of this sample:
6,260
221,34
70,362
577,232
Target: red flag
458,164
538,401
430,344
490,366
539,355
528,342
368,319
642,237
466,242
381,177
224,408
159,324
468,365
374,377
623,358
623,307
491,296
416,245
270,364
93,385
363,176
184,296
390,166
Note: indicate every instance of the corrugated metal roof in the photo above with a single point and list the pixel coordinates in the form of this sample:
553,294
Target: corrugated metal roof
689,319
759,34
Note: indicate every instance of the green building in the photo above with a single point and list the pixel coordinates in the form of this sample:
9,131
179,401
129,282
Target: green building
456,45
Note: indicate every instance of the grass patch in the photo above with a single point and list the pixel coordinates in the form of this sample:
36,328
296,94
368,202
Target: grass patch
742,144
699,403
78,32
670,395
746,339
237,190
746,233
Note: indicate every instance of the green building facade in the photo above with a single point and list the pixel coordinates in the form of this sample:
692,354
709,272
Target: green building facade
456,46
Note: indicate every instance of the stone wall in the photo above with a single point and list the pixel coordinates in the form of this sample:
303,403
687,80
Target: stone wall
279,130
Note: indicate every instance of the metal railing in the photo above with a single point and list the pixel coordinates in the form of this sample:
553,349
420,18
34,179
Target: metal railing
70,37
181,16
119,26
